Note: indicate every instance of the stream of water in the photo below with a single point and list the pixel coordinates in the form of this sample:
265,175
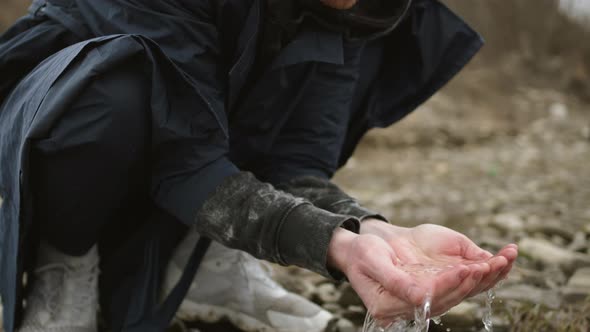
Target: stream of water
422,319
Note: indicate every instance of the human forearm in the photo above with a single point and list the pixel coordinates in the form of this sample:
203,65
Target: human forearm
246,214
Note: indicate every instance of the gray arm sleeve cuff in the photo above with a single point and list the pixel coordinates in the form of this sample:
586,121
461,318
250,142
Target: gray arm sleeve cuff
305,237
326,195
246,214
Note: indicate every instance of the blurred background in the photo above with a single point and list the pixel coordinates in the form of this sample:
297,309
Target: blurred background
501,154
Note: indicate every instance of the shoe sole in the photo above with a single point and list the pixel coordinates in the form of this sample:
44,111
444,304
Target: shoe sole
191,312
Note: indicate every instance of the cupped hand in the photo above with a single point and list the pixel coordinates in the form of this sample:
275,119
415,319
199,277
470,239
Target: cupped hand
339,4
439,247
393,269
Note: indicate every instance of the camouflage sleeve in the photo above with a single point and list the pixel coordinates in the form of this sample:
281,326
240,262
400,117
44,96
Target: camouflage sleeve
246,214
326,195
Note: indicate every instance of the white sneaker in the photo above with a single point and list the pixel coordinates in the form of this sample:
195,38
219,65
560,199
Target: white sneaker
64,297
233,284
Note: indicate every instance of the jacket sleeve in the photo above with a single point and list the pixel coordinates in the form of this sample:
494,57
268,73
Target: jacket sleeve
326,195
247,214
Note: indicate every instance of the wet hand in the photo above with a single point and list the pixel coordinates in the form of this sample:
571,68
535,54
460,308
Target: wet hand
339,4
447,253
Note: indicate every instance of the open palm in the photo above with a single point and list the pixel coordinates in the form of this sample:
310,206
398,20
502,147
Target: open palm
427,260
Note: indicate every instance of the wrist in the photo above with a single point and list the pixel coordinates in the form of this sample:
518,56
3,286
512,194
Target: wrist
339,247
371,224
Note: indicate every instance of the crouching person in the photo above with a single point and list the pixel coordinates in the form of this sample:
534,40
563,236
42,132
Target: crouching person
139,142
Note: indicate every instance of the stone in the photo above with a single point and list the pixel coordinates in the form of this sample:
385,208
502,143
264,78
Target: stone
463,315
509,223
578,286
579,243
344,325
550,228
550,254
526,293
178,326
491,242
355,314
332,307
348,296
558,111
327,293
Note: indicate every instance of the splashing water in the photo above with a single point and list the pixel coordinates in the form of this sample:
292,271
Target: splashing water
487,313
420,323
422,317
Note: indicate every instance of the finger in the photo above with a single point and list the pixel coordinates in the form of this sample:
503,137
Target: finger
472,252
476,272
497,265
510,252
394,280
403,285
503,276
461,292
449,281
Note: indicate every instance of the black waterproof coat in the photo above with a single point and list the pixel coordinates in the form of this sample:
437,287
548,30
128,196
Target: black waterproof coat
201,71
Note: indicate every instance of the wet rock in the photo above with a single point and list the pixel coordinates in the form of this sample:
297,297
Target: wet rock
501,324
558,240
348,296
550,254
492,242
579,243
558,111
355,314
178,326
550,228
554,277
578,287
333,308
548,298
344,325
463,315
327,293
509,223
